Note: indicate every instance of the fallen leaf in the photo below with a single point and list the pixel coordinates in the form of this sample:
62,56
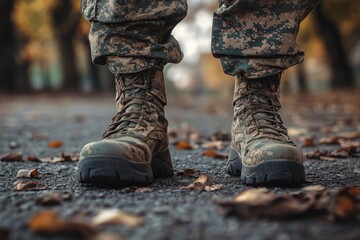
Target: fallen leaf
203,183
328,140
221,135
14,145
33,159
115,216
55,144
184,145
29,186
308,141
188,172
144,190
55,198
49,222
219,145
315,200
214,187
213,154
11,157
107,236
28,173
346,204
64,157
71,157
348,144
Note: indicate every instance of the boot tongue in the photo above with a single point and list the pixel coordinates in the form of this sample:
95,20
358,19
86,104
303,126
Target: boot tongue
136,105
268,87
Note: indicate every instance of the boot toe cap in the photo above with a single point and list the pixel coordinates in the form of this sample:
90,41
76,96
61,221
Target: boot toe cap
116,149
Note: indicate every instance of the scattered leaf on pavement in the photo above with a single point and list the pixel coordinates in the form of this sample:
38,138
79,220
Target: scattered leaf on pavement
188,172
14,144
11,157
184,145
28,173
315,200
49,222
213,154
69,157
308,141
144,190
115,216
33,159
29,186
54,198
203,183
218,145
55,144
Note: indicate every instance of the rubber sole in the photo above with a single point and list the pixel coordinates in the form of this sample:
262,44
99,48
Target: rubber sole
118,171
279,172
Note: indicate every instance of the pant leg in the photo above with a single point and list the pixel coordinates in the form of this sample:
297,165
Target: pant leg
133,35
256,38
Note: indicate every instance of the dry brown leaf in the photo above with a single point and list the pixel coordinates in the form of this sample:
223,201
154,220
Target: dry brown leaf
221,135
55,198
310,201
328,140
144,190
184,145
115,216
107,236
51,160
11,157
28,173
188,172
49,222
214,187
345,136
55,144
308,141
346,204
14,145
327,158
348,144
29,186
33,159
218,145
71,157
203,183
213,154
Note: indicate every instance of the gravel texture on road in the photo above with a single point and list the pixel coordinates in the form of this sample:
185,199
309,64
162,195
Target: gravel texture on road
29,123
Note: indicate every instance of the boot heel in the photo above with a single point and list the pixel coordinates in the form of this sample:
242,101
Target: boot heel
161,164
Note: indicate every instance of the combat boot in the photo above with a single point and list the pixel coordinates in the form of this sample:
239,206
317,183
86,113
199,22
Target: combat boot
134,148
261,151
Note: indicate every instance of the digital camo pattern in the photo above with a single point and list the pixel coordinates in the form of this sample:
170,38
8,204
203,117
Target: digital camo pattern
256,38
133,35
253,38
257,129
139,129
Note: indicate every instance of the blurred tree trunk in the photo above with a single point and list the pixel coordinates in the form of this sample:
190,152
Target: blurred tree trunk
66,21
302,78
341,71
7,47
93,69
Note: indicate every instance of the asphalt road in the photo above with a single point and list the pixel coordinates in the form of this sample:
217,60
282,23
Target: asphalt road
30,122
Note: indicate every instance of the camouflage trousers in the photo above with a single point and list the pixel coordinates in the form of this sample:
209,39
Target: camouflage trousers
253,38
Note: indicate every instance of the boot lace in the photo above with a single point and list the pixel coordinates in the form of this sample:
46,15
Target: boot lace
262,115
124,119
